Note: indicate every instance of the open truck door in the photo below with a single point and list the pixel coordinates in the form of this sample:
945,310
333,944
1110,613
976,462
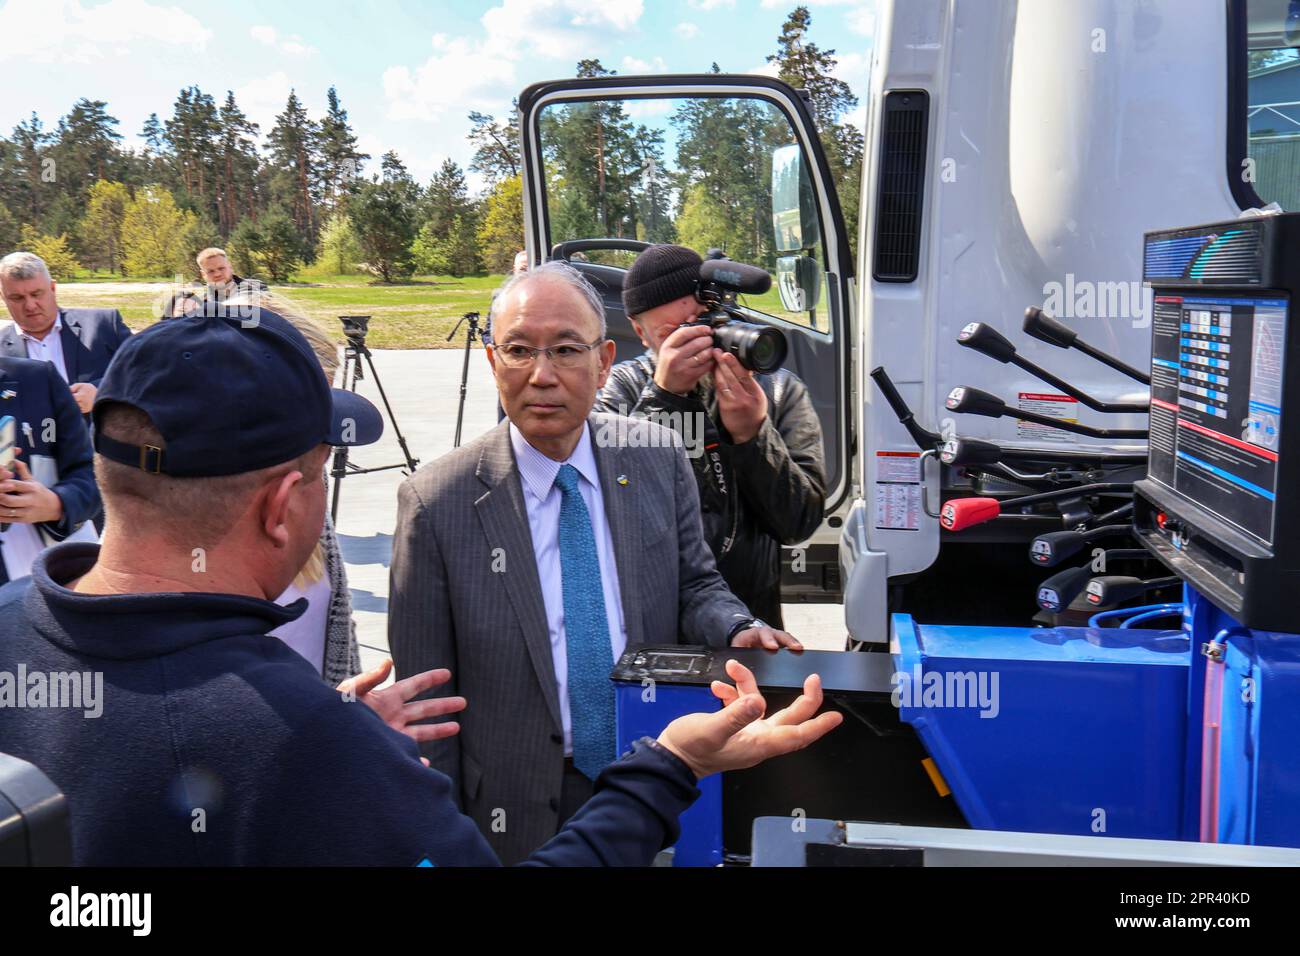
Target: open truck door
713,161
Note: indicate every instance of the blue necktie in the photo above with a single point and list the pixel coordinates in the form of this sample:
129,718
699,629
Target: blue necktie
586,632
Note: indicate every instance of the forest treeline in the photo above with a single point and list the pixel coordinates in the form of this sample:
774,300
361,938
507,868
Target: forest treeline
303,194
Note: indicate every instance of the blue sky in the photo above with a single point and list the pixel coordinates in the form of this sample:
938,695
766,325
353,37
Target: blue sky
407,72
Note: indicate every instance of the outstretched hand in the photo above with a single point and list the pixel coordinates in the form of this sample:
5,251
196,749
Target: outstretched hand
739,736
393,703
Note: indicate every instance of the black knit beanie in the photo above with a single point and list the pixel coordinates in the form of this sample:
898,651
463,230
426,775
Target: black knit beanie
660,274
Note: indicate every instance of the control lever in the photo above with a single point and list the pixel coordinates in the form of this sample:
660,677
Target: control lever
1043,327
961,513
1117,588
990,342
924,438
1049,550
1059,591
974,401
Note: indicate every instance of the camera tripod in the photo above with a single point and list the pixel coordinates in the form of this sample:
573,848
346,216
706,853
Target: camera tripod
355,328
472,333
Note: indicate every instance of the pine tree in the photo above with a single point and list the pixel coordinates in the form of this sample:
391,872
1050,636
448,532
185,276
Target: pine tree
33,170
195,125
804,66
446,198
153,134
85,148
724,154
155,146
384,213
294,143
596,167
496,145
238,163
340,160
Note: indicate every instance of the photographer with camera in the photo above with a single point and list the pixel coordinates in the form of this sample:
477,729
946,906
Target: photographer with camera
753,438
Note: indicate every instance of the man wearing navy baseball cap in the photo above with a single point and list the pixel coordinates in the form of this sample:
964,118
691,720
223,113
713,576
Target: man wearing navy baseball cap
198,739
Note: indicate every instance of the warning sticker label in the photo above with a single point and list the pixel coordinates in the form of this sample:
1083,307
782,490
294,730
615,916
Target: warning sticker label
1060,407
898,491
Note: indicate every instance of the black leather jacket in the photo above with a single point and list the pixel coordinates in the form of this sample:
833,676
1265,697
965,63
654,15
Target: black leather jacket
754,497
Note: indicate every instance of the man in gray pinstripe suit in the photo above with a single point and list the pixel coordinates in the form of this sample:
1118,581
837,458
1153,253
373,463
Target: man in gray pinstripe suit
479,566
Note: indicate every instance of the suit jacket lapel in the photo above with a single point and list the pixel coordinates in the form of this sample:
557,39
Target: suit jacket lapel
624,520
504,517
71,336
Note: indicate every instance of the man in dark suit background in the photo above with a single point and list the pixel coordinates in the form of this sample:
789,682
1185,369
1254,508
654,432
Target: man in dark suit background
50,492
79,343
528,560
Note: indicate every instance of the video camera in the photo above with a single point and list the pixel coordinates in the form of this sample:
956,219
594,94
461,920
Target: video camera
759,348
355,328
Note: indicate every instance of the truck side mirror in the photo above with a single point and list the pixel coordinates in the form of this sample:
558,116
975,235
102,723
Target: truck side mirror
794,207
798,279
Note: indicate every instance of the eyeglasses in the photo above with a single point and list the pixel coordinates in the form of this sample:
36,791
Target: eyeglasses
568,355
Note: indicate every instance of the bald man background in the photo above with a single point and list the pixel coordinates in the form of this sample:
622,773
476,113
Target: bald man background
529,559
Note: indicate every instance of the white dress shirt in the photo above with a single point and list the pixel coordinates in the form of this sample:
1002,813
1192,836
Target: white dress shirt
48,349
542,500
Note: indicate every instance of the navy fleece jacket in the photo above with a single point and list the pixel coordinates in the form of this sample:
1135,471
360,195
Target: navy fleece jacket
218,745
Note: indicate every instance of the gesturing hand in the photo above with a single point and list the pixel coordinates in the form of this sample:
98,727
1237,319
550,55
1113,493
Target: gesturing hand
392,705
738,736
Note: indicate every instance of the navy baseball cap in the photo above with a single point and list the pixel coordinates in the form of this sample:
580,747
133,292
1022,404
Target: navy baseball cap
229,396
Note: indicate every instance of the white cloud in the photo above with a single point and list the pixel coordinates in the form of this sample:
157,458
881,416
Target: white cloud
645,109
862,20
465,73
712,4
457,77
632,64
263,98
853,69
292,45
857,117
560,29
765,69
63,31
687,30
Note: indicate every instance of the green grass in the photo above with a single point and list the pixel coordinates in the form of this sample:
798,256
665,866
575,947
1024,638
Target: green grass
414,315
417,314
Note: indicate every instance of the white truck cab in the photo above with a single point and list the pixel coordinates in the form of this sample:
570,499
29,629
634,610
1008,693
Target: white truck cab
1015,155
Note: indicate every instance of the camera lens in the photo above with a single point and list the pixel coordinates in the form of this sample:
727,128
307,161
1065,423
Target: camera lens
759,348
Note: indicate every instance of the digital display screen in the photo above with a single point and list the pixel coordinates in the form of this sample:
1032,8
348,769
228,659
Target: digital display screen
1216,403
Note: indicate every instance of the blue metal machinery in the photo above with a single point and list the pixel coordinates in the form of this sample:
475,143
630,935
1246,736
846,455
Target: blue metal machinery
1185,729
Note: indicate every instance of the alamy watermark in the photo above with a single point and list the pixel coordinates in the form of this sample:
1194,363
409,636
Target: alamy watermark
1085,299
936,689
76,690
627,430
